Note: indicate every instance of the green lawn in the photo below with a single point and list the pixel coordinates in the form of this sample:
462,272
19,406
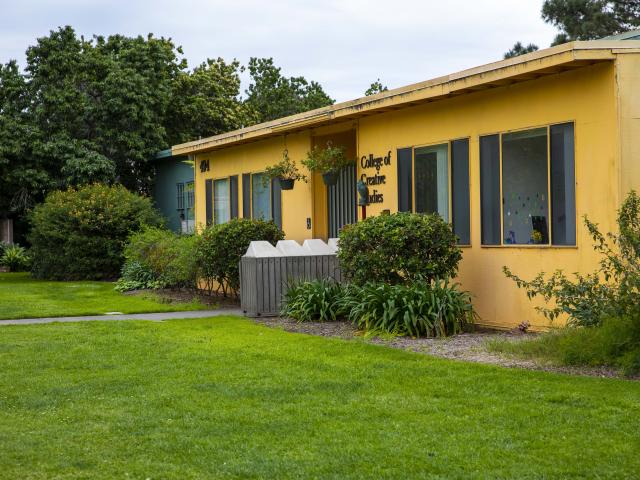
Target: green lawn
225,398
23,297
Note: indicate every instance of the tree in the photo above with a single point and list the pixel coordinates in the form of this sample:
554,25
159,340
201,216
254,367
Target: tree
96,108
590,19
22,176
207,102
519,49
271,95
375,87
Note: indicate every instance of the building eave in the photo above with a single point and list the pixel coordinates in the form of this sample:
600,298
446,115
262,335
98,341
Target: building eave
497,74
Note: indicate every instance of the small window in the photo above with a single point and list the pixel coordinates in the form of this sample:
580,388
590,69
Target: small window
180,196
190,195
221,208
431,170
260,197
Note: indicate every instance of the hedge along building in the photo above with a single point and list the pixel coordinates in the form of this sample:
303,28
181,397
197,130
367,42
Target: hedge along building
512,153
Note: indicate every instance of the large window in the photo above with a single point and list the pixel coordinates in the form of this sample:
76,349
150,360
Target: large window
525,199
534,204
221,207
435,179
260,197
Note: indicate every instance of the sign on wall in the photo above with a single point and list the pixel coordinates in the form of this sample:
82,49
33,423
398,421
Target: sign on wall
370,162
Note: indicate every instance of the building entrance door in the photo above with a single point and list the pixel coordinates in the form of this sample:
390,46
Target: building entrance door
335,206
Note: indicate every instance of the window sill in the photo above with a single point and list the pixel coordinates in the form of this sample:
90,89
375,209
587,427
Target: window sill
533,247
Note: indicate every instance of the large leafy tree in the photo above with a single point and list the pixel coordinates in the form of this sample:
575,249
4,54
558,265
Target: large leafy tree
83,111
99,105
272,95
98,110
22,176
206,102
590,19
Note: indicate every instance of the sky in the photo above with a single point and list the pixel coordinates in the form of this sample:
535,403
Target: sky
345,45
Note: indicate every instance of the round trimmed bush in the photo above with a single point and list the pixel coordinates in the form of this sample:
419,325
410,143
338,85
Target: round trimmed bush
80,234
219,248
398,248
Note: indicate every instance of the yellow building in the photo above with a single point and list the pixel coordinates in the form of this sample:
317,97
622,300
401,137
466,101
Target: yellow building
513,154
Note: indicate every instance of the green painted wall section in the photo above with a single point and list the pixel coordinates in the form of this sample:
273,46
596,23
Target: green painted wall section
170,172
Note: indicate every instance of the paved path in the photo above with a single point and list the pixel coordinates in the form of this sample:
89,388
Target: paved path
154,317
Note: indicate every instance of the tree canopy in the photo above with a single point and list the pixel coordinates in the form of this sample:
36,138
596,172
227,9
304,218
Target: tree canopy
99,109
375,87
520,49
272,95
585,20
207,102
590,19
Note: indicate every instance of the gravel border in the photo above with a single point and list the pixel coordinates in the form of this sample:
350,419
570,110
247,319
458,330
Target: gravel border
469,347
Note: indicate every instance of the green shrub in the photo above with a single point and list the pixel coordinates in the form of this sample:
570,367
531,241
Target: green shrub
159,258
81,234
613,290
615,343
3,247
421,309
136,276
312,301
431,309
219,248
16,258
398,248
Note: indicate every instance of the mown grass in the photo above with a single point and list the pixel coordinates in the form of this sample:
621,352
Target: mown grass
225,398
24,297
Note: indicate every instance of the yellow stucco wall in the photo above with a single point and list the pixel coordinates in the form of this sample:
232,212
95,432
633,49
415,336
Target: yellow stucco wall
628,84
253,158
586,96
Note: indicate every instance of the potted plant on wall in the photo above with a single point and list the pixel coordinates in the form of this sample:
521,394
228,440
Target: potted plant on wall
285,171
328,161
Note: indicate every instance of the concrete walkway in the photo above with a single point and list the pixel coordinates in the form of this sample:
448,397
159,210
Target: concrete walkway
153,317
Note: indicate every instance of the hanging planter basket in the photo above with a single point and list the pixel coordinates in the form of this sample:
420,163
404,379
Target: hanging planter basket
330,178
286,183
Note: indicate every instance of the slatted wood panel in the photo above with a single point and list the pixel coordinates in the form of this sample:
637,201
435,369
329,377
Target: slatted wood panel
342,201
265,281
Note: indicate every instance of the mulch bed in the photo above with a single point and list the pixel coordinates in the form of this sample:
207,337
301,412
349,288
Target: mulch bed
468,347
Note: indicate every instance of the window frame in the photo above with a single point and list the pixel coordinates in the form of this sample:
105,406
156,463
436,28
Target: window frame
547,127
270,186
213,199
180,196
190,195
449,144
413,175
